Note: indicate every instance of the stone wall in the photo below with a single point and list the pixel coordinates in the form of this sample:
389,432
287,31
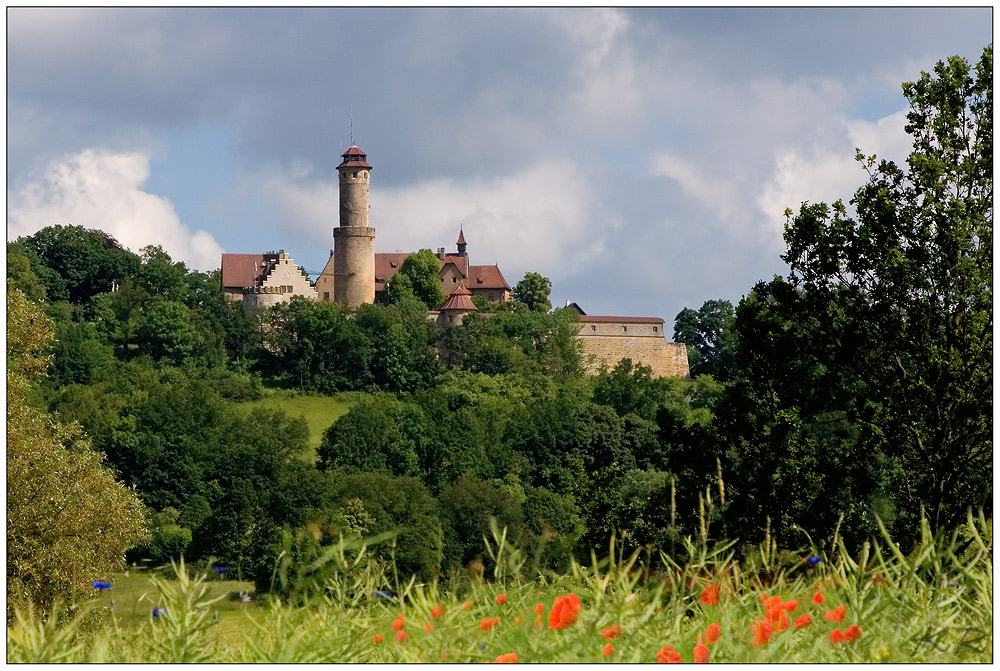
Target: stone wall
604,341
282,282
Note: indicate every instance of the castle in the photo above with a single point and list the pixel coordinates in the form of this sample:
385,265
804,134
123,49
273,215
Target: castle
355,272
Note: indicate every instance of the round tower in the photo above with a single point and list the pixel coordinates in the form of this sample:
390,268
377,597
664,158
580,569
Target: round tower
354,239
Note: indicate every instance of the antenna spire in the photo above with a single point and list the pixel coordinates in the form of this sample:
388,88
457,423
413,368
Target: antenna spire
352,124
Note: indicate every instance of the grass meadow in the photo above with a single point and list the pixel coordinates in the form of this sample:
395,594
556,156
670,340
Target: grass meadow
930,604
318,411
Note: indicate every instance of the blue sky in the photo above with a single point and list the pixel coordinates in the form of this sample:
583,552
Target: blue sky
640,158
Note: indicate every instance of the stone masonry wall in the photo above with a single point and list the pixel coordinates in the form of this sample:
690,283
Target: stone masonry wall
605,344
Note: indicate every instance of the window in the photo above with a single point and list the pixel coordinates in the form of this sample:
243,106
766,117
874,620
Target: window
453,280
593,328
326,295
624,328
656,329
493,297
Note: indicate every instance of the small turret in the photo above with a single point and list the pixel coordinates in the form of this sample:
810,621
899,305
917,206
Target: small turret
461,242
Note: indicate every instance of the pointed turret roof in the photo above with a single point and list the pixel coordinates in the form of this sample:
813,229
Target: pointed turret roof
459,300
461,237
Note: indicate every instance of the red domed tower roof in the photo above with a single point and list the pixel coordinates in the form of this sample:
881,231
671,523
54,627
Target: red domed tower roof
354,157
459,300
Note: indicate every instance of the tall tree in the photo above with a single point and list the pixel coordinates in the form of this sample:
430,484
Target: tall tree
533,291
707,332
421,269
887,310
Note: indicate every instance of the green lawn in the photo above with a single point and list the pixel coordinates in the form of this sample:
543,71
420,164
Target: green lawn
319,411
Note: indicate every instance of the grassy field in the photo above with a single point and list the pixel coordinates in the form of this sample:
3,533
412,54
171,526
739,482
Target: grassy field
930,605
319,411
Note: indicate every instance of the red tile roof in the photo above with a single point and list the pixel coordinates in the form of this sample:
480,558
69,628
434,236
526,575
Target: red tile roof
459,300
620,320
387,265
487,277
354,158
461,237
243,270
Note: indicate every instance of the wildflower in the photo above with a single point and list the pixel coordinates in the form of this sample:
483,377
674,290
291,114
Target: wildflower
611,631
442,656
852,633
761,632
804,620
378,638
763,597
384,595
836,614
488,623
790,605
813,559
710,595
221,570
818,598
97,584
539,608
608,650
401,636
667,655
836,636
157,612
429,627
397,624
437,611
700,652
501,599
782,622
565,610
772,602
538,621
509,658
517,620
712,633
467,605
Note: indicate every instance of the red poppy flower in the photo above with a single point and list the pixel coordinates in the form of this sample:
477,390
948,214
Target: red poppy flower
443,656
429,627
611,631
782,622
667,655
501,599
852,633
517,620
538,621
710,595
397,624
790,605
818,598
467,605
700,652
836,636
836,614
509,658
712,633
401,636
804,621
539,608
437,611
378,638
565,610
608,650
761,632
488,623
771,602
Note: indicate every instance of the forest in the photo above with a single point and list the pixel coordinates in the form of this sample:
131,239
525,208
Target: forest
854,391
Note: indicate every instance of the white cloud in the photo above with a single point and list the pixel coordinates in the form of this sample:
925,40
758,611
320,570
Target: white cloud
543,218
825,174
101,189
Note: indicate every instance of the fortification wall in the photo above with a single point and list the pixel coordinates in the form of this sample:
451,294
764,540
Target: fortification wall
606,343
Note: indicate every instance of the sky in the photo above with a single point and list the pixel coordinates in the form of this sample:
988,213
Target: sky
641,159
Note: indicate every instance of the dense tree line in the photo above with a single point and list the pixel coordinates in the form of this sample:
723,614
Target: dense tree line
857,386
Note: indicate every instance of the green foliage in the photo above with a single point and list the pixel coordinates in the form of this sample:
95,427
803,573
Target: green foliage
68,521
533,291
21,274
422,281
877,348
87,261
707,332
379,434
467,505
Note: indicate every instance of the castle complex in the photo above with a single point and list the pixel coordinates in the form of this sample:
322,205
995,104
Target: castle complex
354,273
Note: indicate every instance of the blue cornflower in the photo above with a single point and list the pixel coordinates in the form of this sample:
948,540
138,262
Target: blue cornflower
384,595
813,559
97,584
157,612
221,569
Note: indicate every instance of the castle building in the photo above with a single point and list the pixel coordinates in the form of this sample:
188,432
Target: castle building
349,275
606,340
260,280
